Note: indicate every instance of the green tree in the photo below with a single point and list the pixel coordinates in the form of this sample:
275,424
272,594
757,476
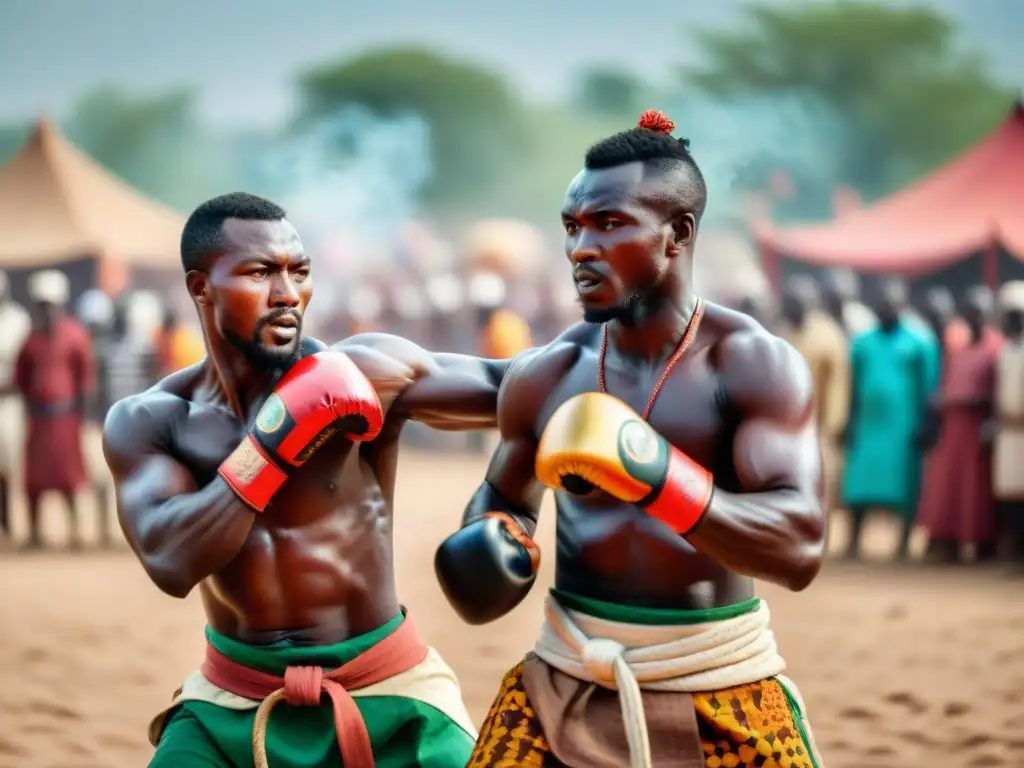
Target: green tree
155,144
478,126
559,137
903,94
609,91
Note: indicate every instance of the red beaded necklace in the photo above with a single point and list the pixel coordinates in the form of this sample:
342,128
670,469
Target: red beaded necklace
684,344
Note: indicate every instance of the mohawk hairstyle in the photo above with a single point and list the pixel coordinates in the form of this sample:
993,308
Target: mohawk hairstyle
651,142
203,235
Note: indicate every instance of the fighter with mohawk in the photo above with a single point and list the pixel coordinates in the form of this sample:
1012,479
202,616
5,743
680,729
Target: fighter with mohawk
679,439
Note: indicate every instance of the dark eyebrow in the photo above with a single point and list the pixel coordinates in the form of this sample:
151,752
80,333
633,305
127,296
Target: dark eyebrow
602,213
605,214
269,262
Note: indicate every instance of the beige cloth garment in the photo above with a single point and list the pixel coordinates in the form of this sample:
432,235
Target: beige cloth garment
825,348
16,324
637,661
1008,447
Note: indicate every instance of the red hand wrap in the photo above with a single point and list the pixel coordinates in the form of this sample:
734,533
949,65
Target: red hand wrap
252,475
685,494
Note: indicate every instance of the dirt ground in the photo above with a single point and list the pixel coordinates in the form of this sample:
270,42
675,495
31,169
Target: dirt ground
901,667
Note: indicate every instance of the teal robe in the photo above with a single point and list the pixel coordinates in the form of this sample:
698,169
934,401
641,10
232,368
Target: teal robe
893,376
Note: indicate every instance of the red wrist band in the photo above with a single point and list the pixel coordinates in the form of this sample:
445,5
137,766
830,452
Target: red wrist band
252,475
685,494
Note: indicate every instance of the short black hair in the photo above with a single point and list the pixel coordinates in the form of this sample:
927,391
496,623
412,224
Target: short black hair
659,151
203,235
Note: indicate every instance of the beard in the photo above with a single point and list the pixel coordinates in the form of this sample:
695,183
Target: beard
259,355
625,311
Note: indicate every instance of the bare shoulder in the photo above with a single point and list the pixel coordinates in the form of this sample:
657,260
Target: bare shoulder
386,344
534,373
137,425
763,374
391,363
540,368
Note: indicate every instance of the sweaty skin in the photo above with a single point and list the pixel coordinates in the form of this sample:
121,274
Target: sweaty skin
316,567
740,403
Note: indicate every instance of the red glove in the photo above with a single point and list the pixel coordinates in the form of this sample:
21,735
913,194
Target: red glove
320,395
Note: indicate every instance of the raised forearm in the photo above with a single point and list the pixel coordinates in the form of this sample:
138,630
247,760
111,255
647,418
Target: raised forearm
776,536
489,499
488,566
191,536
460,393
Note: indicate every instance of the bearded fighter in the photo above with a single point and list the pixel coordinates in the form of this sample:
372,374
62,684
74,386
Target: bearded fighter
264,475
679,438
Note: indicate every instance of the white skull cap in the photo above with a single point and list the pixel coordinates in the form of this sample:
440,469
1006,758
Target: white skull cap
50,286
487,289
94,307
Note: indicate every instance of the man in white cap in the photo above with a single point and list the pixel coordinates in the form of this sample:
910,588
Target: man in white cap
16,323
55,375
1008,424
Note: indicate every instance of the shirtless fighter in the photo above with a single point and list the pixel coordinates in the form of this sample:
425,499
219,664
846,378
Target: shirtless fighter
680,441
230,476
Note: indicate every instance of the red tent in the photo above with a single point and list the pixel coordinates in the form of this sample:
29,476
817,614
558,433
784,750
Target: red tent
974,204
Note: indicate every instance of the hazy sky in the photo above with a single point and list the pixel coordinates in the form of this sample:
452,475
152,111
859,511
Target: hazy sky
242,54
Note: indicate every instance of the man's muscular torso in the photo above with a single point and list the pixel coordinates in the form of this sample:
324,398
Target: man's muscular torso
316,566
611,550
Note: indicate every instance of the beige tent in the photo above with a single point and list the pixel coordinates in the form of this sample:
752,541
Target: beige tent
58,206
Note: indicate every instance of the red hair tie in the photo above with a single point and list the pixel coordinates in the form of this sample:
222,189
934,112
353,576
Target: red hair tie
657,121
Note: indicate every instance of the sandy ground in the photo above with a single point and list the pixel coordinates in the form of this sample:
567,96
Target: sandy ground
900,667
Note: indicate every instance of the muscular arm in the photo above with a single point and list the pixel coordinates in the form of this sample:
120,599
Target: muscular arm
180,533
774,528
488,566
440,389
511,484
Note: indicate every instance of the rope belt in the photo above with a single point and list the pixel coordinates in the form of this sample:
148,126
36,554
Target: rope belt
630,658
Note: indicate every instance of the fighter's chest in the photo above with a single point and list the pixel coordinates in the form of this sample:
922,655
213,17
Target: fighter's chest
687,407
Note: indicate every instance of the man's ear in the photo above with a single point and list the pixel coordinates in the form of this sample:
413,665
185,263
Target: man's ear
198,284
684,228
